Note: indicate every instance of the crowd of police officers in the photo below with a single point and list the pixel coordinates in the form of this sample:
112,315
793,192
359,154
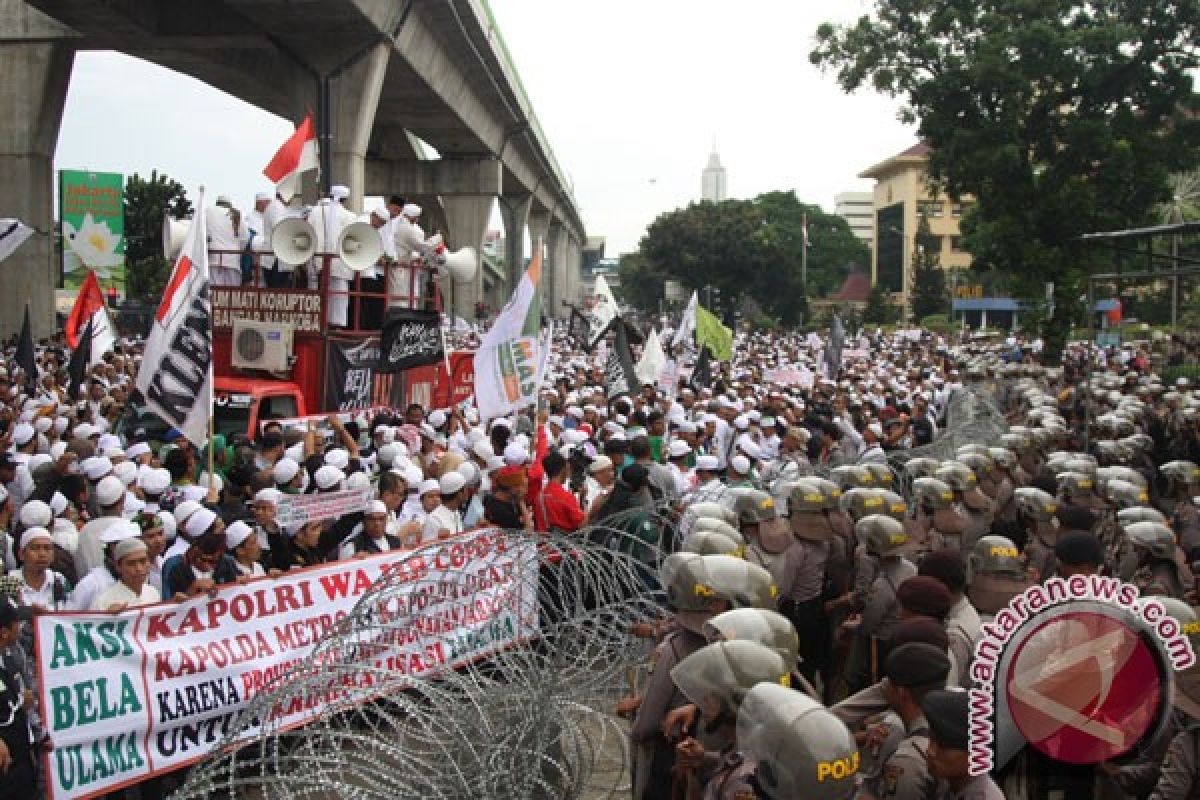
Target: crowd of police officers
823,623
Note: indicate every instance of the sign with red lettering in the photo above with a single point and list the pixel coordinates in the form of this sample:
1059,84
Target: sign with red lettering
297,508
130,695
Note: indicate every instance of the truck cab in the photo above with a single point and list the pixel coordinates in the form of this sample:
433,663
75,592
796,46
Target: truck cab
241,404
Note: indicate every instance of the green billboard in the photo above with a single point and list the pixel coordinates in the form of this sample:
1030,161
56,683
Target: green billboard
92,215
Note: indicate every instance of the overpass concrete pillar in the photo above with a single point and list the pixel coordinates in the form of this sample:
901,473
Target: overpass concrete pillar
514,210
355,97
467,217
574,264
34,76
539,231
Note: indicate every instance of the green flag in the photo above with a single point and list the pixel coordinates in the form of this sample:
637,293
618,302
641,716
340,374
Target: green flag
711,333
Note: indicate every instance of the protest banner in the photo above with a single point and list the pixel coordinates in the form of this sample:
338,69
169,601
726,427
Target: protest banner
127,696
294,508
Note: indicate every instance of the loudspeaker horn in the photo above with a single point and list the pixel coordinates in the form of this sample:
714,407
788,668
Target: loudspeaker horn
359,246
459,265
173,234
293,241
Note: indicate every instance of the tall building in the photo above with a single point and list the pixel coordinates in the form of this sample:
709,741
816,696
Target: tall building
902,196
858,209
712,182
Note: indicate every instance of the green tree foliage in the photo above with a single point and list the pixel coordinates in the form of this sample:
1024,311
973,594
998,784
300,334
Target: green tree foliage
1061,117
744,248
880,309
928,292
147,200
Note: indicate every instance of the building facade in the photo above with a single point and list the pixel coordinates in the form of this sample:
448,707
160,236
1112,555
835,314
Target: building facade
712,181
858,209
901,197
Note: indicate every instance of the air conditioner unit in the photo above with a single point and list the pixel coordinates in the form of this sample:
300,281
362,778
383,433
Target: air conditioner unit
261,345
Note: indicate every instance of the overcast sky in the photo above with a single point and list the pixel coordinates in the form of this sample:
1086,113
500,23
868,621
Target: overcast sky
630,94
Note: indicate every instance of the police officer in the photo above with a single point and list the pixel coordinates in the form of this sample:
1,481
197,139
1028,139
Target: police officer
799,749
806,559
974,506
962,620
887,542
16,754
995,575
1157,571
936,523
911,670
1036,511
946,713
1183,486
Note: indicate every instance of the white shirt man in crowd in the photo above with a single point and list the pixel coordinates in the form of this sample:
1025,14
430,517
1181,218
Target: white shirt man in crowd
226,239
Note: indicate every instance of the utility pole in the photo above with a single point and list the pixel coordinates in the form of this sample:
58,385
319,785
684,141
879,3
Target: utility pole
804,253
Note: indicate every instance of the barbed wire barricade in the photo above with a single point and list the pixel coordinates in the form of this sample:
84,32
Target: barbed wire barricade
532,718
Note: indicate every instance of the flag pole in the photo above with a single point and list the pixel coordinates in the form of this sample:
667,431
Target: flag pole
211,399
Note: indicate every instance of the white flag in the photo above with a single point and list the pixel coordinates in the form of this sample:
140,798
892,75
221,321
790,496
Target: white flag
652,361
176,377
602,312
13,234
509,362
687,326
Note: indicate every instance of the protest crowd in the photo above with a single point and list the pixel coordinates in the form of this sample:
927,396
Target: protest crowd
828,519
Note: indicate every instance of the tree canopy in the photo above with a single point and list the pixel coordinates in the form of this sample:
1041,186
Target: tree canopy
147,200
1060,117
928,294
744,248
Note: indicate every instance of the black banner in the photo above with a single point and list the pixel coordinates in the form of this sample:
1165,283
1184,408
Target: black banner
411,338
578,330
620,376
352,378
702,376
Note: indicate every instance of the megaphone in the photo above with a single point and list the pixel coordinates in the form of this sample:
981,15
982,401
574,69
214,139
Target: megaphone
173,234
459,265
359,246
293,241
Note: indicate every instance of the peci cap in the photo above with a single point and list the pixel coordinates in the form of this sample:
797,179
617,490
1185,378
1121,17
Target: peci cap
128,547
236,533
917,664
451,483
925,595
946,711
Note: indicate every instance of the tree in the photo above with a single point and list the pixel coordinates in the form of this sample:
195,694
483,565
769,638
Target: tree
928,295
147,201
745,248
880,309
1060,117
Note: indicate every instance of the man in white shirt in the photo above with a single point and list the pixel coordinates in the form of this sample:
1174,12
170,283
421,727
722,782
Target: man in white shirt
406,286
131,589
329,219
226,239
445,520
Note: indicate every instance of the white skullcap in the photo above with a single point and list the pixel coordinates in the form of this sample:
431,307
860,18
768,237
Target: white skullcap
413,477
338,457
451,482
58,503
113,454
469,471
678,449
139,449
133,506
876,429
515,454
127,471
108,441
284,471
600,463
199,522
430,485
328,477
57,449
155,481
358,480
382,212
223,199
482,450
60,425
339,192
268,495
740,464
411,210
387,454
109,491
42,424
210,481
184,511
295,452
437,418
35,514
119,531
262,196
707,463
23,433
168,524
128,547
375,507
237,533
96,467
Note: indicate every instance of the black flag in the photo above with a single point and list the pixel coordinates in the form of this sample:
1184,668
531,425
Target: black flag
620,377
411,338
702,376
80,357
25,357
578,329
833,348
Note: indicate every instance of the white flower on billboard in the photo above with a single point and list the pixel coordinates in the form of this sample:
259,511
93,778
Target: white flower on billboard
93,245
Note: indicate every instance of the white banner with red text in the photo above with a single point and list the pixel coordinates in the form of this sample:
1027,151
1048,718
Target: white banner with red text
130,695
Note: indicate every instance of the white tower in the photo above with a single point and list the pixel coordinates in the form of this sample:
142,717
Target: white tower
712,182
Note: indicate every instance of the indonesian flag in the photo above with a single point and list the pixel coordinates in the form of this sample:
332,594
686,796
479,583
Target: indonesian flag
89,305
176,377
297,155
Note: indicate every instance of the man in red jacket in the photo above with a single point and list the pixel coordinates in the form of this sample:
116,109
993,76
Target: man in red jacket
557,509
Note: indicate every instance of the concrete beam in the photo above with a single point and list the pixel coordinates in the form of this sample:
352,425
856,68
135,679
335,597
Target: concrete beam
467,216
21,22
514,211
33,88
354,98
446,177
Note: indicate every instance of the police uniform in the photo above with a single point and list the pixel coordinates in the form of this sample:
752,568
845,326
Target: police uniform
906,774
17,782
977,787
655,754
946,713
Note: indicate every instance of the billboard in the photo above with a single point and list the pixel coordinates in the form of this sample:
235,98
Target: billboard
92,218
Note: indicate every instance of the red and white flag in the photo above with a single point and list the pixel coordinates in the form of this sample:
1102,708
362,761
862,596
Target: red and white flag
176,376
297,155
89,304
